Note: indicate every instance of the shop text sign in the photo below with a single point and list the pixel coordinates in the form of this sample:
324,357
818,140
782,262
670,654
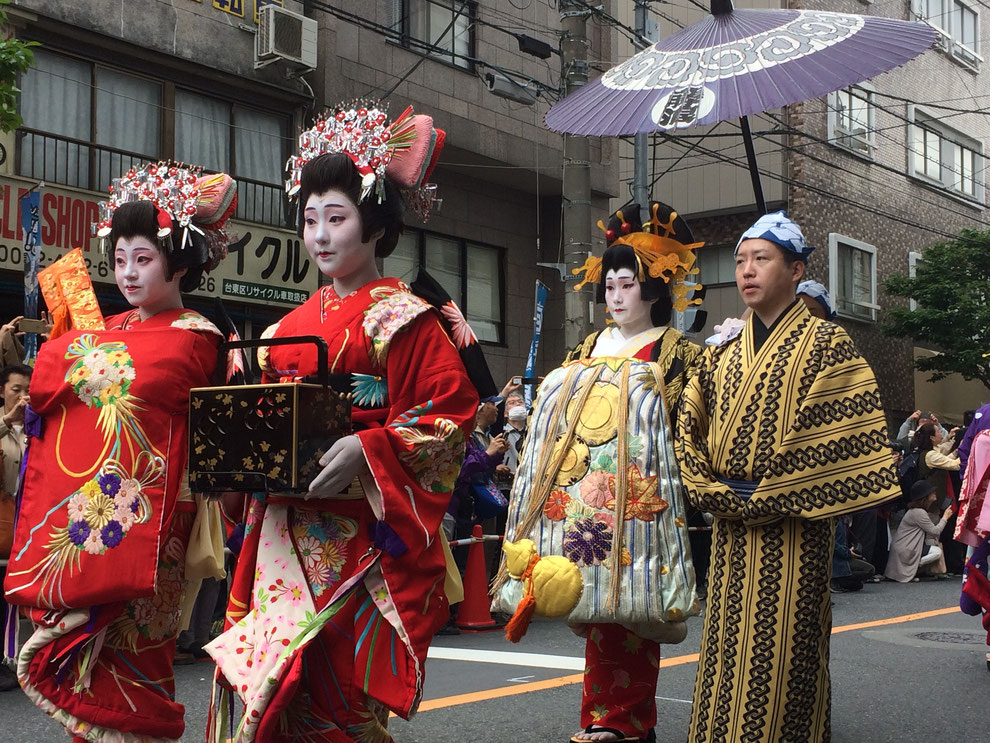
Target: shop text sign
272,258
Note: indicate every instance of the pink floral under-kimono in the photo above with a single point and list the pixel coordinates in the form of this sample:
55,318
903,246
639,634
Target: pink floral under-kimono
335,601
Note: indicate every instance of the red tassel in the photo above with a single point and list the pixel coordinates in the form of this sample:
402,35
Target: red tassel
519,623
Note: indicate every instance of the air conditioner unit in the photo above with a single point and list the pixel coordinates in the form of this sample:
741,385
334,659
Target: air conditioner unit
285,35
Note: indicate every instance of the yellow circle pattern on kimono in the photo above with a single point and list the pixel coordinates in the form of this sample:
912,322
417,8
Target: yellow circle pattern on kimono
597,422
576,461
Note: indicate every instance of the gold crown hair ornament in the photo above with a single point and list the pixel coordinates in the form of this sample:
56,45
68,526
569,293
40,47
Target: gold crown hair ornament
659,254
406,150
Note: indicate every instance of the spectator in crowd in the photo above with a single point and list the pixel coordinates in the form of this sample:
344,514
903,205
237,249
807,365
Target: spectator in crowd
915,541
11,340
816,299
14,382
516,419
509,397
936,463
917,419
849,569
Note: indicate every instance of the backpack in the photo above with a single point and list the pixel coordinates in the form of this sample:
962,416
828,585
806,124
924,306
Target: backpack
908,474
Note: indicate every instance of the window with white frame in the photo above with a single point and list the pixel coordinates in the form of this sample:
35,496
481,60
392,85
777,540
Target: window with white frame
958,23
944,157
86,124
470,272
913,260
852,276
851,119
443,29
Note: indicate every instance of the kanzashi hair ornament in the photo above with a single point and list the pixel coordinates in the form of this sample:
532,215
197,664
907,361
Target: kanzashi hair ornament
173,190
406,150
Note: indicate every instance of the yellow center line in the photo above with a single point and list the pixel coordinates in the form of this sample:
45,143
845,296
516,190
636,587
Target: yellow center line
679,660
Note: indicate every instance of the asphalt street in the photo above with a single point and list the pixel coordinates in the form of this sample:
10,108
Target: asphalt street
906,666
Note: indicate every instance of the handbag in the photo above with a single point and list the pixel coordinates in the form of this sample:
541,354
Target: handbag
488,500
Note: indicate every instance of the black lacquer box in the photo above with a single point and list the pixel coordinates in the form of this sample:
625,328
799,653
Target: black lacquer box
264,437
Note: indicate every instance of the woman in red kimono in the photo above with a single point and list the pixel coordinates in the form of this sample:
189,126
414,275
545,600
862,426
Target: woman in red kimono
337,595
99,557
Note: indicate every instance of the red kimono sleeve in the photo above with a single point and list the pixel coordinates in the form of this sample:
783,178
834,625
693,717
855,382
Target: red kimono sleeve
416,456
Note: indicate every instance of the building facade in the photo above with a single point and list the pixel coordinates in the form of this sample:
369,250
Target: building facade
871,173
115,86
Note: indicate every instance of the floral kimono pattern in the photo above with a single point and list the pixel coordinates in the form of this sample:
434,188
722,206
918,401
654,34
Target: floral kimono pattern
99,550
334,602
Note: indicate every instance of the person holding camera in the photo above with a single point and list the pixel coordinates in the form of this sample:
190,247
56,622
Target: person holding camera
916,540
14,382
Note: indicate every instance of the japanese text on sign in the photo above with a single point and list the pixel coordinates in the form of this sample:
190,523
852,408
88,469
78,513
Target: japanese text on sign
268,256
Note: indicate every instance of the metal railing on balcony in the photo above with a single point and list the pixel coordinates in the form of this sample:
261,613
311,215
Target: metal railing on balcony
74,162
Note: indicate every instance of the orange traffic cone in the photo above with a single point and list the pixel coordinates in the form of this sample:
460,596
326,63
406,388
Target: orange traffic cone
475,614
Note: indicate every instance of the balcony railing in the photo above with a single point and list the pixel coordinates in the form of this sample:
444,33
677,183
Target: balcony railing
74,162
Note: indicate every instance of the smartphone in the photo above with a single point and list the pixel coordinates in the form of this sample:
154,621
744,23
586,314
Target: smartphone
517,380
29,325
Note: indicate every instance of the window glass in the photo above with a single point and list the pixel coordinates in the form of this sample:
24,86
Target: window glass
445,26
56,97
259,158
202,131
855,274
443,261
404,261
484,302
128,117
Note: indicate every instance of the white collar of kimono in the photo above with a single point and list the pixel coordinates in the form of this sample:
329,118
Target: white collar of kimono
611,342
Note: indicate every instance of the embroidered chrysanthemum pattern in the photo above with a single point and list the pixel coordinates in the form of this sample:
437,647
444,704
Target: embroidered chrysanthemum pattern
104,510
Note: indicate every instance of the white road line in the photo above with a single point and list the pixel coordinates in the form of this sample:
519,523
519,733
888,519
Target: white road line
505,658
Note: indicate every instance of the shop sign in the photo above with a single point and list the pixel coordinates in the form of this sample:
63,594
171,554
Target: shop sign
264,265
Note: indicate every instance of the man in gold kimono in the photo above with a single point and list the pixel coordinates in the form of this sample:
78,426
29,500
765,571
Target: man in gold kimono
781,430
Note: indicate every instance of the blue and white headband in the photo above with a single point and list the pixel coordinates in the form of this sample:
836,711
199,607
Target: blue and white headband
818,292
781,230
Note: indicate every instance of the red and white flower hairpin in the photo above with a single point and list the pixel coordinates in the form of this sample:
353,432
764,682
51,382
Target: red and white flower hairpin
406,150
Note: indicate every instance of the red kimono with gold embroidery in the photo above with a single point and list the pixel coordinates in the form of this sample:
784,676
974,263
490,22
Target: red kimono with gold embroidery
99,547
335,601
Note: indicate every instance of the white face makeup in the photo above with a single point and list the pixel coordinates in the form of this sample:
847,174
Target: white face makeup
332,231
140,270
624,298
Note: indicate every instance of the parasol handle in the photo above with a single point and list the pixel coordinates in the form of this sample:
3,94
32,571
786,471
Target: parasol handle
754,170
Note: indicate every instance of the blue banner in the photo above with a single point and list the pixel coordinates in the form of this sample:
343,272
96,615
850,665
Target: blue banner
31,225
534,346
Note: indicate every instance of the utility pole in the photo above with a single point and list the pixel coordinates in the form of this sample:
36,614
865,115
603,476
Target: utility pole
576,188
641,152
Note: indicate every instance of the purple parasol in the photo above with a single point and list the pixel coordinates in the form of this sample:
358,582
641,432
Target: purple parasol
735,63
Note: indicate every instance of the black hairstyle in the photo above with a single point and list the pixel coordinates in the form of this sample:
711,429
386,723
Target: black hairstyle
618,255
337,171
140,219
924,437
8,371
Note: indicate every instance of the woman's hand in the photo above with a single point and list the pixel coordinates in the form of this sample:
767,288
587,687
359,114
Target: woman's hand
499,445
341,465
947,513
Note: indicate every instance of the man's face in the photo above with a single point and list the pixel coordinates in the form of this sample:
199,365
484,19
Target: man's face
764,278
